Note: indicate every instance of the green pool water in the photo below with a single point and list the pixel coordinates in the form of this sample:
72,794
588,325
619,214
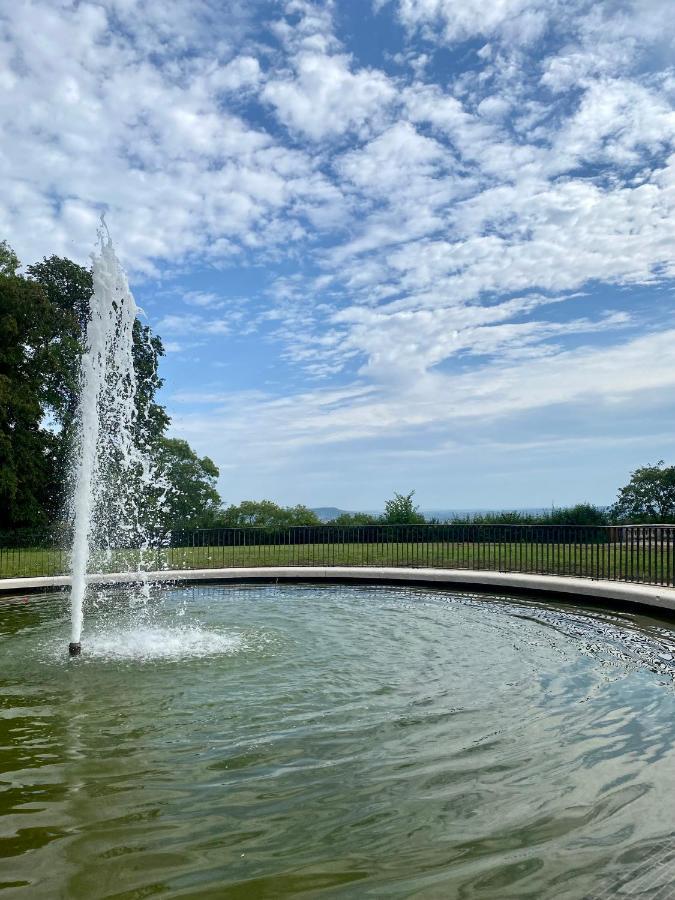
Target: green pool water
302,741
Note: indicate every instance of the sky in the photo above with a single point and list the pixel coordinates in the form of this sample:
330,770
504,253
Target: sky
388,244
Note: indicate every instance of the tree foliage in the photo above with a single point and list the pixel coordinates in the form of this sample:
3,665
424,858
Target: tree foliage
28,329
401,510
267,514
649,495
579,514
191,499
69,288
43,317
9,261
347,519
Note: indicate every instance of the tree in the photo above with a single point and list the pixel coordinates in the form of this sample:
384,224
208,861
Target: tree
9,261
191,499
355,519
650,494
400,510
580,514
28,329
152,419
69,288
266,514
43,317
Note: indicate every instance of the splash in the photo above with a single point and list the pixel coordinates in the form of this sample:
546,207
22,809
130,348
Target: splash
112,467
161,643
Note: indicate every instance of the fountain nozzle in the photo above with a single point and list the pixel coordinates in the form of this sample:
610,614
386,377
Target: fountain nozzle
74,649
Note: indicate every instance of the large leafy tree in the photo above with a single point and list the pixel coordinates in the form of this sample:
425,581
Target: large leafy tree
29,338
69,288
43,317
649,495
152,419
190,497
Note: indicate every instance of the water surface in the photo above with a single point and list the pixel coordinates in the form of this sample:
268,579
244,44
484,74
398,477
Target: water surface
302,741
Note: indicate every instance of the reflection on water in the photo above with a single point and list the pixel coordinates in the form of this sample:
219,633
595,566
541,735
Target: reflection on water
335,741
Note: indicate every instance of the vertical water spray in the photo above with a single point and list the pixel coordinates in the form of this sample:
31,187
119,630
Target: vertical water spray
111,467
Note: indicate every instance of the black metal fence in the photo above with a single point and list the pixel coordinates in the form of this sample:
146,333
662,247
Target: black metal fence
635,553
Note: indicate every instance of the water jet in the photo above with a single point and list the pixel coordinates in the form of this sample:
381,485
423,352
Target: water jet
113,469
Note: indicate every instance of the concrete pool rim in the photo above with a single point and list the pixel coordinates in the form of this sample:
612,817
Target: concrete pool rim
655,598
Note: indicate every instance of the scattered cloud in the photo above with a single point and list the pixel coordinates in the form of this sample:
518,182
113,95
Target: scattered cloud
204,299
192,324
460,416
521,21
319,92
129,122
477,223
322,97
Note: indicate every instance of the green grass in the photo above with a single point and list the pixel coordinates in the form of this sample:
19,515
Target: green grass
586,560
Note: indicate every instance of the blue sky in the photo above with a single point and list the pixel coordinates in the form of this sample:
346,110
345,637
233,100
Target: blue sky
389,244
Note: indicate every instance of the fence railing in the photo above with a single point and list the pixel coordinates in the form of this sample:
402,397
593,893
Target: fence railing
635,553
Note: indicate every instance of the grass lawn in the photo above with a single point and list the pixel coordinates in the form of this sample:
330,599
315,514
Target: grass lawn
646,564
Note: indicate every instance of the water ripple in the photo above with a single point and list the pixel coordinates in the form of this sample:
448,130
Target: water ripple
347,742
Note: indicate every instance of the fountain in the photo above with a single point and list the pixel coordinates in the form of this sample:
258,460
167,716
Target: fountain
112,467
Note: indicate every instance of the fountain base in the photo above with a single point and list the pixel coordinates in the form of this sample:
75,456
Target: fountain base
74,649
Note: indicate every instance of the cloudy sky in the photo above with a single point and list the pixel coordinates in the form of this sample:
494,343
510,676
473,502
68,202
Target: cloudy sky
389,244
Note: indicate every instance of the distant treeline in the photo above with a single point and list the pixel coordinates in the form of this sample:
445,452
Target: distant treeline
579,514
648,498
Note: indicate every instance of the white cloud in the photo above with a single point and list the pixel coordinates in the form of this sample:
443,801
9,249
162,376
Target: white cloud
107,126
320,93
268,431
400,344
322,97
618,121
193,324
240,72
204,299
532,233
494,107
521,21
606,23
401,225
399,156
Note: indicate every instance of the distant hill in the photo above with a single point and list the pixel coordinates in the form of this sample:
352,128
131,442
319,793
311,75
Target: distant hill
328,513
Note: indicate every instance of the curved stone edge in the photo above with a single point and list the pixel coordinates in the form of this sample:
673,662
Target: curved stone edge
653,596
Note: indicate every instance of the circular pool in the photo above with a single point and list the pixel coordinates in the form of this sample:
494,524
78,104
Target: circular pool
334,741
